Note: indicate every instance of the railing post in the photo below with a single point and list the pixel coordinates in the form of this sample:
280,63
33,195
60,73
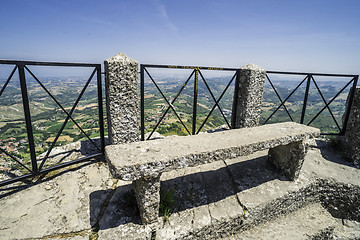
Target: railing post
249,89
351,140
349,103
235,100
305,99
142,102
196,83
100,104
122,99
27,115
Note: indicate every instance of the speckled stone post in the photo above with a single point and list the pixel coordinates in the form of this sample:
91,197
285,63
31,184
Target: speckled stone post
122,99
147,192
288,158
351,141
251,81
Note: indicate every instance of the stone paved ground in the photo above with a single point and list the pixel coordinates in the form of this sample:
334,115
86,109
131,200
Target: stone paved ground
301,224
220,198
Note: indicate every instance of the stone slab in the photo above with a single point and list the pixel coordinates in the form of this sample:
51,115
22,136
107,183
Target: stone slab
129,231
254,176
323,162
298,225
149,158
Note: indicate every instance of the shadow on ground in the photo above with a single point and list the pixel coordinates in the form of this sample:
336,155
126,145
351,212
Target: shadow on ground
190,191
27,183
86,149
331,154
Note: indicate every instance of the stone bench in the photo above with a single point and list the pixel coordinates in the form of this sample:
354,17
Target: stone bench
144,162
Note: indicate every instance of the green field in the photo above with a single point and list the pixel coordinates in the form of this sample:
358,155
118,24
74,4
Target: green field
46,116
155,105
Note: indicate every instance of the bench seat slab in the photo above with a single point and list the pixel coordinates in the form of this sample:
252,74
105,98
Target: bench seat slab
150,158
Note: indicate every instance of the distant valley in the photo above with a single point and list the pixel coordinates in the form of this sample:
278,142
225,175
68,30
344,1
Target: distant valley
47,117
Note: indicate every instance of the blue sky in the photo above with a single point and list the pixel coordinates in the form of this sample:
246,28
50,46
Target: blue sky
309,36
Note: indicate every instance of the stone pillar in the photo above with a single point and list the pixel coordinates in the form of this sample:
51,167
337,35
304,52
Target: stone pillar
248,100
351,140
147,192
289,158
122,99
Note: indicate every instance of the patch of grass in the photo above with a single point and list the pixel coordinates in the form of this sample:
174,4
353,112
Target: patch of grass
94,235
333,142
166,203
153,235
167,213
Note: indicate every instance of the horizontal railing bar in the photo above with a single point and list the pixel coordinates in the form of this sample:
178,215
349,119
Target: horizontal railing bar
62,165
334,134
16,179
59,64
189,67
315,74
16,160
235,69
67,64
66,164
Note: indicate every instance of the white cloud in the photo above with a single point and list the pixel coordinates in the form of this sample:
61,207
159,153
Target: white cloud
96,21
163,15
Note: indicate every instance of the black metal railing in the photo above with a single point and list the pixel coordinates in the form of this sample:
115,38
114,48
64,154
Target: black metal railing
22,67
38,166
196,73
309,78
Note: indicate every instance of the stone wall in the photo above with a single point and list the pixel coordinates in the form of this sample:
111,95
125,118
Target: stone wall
351,141
250,84
122,99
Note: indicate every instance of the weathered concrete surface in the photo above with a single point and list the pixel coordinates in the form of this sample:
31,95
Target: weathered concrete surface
150,158
122,97
251,82
65,204
211,201
301,224
308,222
60,154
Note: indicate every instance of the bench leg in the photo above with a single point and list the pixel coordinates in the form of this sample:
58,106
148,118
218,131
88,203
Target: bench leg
147,192
288,158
